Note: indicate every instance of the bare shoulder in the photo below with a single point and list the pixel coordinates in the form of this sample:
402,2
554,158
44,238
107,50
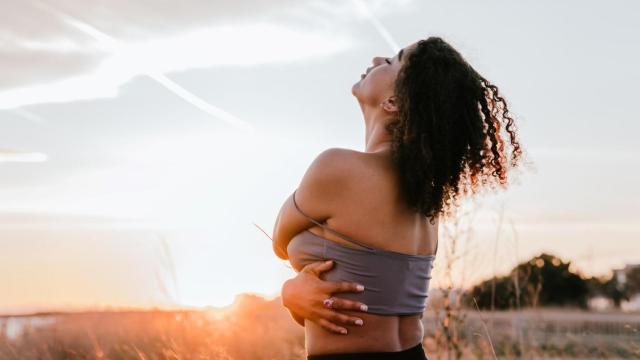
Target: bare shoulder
333,172
336,163
338,158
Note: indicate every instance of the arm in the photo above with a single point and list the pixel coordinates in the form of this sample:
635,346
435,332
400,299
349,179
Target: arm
296,317
280,247
323,185
303,296
299,319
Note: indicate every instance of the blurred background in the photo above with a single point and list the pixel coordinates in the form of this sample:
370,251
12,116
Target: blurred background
143,143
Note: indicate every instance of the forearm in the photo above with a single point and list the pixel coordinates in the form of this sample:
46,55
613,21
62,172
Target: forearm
299,319
284,301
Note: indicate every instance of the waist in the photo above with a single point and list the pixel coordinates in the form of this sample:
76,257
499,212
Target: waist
378,333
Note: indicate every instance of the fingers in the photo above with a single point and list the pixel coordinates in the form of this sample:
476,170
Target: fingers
324,266
340,318
344,286
317,267
329,326
329,320
344,304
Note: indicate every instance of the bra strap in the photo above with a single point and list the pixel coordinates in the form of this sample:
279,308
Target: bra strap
437,243
327,227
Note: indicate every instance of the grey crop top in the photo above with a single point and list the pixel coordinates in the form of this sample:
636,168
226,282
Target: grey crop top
394,283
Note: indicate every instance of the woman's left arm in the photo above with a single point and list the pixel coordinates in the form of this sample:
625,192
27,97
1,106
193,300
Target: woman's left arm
280,247
299,319
320,190
304,297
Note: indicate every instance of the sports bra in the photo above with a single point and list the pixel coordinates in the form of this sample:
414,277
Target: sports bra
394,283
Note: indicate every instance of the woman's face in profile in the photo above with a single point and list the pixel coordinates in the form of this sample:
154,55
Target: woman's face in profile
377,83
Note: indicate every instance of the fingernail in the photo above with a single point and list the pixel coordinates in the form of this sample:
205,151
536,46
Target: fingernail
359,322
363,307
328,261
344,331
360,287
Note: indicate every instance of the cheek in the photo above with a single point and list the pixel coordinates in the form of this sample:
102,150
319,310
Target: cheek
388,78
377,83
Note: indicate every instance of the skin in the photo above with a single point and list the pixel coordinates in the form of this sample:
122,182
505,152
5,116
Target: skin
338,184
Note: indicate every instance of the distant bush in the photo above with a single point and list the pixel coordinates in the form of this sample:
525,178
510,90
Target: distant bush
545,280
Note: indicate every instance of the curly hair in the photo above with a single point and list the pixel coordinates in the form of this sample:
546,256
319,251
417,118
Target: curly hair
446,140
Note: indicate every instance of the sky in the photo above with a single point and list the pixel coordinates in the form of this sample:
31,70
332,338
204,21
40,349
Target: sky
142,142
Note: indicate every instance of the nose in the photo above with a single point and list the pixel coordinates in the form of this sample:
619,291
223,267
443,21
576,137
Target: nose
377,60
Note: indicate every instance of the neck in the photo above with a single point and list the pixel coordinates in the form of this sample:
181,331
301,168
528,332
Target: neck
377,139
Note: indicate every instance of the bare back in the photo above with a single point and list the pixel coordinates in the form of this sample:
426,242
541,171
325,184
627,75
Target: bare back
374,212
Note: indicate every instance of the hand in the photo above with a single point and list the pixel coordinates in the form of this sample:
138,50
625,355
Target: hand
304,295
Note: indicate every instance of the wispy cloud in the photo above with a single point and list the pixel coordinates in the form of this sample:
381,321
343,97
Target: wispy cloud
363,9
236,44
7,155
29,115
65,221
233,45
131,67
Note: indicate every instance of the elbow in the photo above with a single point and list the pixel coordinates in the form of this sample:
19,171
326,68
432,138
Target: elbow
299,319
280,246
282,254
284,300
285,294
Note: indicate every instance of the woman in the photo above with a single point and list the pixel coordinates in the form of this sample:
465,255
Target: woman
432,135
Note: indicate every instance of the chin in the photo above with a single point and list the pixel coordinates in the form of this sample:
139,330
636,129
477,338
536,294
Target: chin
354,89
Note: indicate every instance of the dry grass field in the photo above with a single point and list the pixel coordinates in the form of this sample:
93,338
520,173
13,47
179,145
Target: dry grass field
255,328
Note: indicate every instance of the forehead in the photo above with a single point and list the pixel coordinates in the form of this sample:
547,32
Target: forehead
406,50
410,47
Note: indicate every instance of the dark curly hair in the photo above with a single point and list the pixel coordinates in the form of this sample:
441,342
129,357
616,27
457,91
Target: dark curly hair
446,138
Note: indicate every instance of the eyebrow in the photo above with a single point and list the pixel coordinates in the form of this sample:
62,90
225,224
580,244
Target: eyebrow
400,55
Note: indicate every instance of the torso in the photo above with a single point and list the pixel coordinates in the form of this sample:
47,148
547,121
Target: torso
375,199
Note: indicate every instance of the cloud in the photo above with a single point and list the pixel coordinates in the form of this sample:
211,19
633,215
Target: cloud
49,59
32,21
51,221
364,10
31,65
7,155
237,45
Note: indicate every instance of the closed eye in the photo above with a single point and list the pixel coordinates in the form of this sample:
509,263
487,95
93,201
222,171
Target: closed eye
388,61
